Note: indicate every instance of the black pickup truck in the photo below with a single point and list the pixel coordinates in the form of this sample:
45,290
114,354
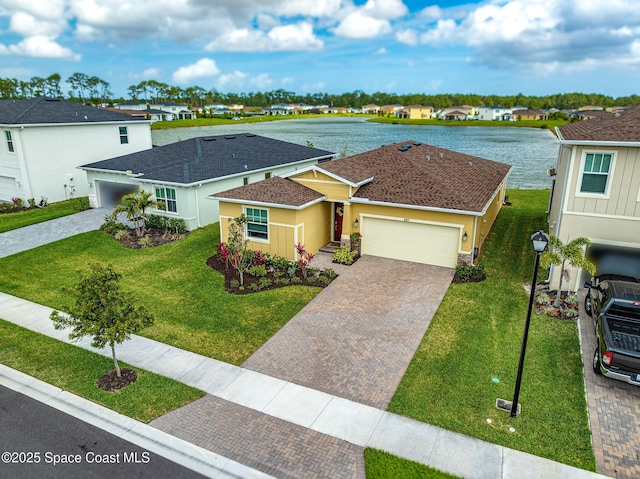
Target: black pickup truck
614,304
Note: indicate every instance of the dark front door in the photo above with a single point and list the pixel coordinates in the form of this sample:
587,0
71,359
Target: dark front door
338,212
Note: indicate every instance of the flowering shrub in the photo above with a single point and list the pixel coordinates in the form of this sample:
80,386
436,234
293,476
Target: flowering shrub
305,258
223,252
356,240
258,258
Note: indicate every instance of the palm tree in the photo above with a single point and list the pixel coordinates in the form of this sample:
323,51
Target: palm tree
565,255
134,205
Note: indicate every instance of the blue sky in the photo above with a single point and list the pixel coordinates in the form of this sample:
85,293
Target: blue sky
503,47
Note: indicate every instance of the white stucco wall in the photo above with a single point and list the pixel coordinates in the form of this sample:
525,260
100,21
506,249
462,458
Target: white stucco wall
46,157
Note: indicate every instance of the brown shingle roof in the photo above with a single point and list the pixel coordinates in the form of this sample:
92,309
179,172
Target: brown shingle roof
276,190
423,175
605,127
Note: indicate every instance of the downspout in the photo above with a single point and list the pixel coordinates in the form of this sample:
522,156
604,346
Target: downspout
473,241
198,206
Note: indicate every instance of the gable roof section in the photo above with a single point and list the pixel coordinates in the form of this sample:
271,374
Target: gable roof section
275,191
605,127
43,110
421,176
209,158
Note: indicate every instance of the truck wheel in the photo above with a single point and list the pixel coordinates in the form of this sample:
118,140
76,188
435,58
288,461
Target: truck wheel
596,362
587,304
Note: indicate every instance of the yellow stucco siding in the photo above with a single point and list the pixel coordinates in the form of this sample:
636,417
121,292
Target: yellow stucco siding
465,221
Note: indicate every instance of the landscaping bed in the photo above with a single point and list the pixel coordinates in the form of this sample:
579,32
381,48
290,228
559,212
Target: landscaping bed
152,237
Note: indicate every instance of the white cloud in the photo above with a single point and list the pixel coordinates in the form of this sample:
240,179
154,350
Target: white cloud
297,37
28,25
150,73
204,67
408,37
262,82
287,81
358,25
385,9
4,50
41,46
434,12
233,80
381,51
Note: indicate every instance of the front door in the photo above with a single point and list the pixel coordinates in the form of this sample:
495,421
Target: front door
338,213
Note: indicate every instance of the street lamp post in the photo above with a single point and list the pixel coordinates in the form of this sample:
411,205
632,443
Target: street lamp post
540,240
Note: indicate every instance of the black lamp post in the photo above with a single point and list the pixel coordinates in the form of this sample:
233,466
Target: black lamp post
540,240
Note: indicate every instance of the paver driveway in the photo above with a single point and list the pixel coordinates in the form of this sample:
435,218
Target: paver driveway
357,337
614,408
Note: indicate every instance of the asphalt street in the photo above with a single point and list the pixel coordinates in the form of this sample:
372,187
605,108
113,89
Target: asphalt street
38,441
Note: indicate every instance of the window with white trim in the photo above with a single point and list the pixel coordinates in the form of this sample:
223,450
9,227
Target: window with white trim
124,137
168,197
9,138
595,173
257,223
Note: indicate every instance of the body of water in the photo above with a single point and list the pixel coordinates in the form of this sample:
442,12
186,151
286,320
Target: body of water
531,151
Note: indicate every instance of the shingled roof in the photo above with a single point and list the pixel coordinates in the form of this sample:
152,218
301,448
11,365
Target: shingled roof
421,175
404,174
207,158
274,191
44,110
619,128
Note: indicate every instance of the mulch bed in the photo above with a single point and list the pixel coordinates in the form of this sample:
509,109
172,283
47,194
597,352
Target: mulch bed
231,275
157,237
110,382
469,280
566,310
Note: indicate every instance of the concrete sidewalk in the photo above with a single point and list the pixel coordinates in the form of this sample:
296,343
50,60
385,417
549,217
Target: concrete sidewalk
32,236
340,418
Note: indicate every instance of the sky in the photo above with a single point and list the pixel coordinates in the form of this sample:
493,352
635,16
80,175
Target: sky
491,47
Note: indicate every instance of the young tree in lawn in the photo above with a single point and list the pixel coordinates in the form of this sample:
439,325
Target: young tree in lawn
240,257
102,310
565,255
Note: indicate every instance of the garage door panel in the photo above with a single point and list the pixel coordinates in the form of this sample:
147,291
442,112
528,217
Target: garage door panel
409,241
8,188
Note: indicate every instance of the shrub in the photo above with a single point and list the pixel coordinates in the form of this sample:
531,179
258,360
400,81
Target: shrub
120,234
258,270
312,280
291,270
277,262
156,221
282,281
356,239
324,280
571,312
265,283
235,283
572,299
295,280
344,255
543,298
145,242
258,258
18,204
278,274
468,272
329,273
32,202
254,287
177,225
111,224
81,204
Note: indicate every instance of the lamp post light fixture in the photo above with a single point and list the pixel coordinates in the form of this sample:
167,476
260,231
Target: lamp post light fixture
540,240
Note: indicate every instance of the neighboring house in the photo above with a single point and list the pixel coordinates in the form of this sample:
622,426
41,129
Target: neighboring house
590,114
492,112
520,115
463,112
131,105
177,110
282,109
416,112
596,191
184,174
410,201
370,108
455,115
390,110
44,140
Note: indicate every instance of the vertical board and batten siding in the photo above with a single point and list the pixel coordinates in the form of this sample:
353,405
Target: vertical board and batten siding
333,189
623,191
564,157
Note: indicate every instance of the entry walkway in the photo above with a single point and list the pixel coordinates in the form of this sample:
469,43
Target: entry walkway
32,236
355,424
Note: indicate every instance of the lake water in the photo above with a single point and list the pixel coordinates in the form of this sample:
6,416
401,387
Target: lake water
531,151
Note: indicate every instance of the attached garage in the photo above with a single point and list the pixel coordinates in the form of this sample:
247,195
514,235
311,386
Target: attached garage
8,188
411,241
109,193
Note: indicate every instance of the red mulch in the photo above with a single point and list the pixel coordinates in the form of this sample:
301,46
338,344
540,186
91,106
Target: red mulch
110,382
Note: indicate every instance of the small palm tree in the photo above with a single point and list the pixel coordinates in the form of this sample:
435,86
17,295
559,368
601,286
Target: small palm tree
565,255
134,205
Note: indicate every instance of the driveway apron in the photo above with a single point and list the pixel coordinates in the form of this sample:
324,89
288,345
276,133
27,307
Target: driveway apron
32,236
614,408
356,338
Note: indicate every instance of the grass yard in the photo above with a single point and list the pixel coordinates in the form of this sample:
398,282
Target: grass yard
192,309
164,125
548,124
476,336
12,221
382,465
76,370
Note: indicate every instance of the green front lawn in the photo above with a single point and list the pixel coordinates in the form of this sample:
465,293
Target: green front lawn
12,221
474,341
77,370
382,465
192,309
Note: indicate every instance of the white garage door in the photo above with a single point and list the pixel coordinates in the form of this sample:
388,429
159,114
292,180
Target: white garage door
417,242
8,188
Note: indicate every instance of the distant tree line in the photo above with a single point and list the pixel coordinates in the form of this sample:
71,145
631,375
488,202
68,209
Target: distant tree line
91,89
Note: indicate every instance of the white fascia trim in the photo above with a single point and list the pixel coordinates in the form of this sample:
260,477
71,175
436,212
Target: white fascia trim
596,143
366,201
267,205
495,193
332,175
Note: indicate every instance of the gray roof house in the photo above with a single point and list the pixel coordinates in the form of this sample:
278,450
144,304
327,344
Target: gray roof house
183,174
44,140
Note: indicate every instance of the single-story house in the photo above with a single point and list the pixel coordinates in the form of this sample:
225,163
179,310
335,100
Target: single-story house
520,115
183,174
410,201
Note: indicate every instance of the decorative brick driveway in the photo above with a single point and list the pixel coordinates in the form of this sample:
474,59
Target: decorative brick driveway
614,409
356,339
